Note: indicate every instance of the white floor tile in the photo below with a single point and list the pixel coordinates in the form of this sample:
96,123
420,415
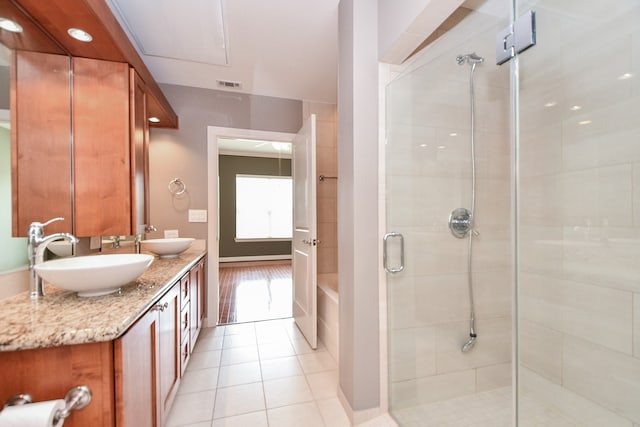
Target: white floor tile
252,419
333,413
208,343
286,391
192,408
317,362
275,350
301,346
303,414
243,373
216,331
198,380
280,368
384,420
204,359
238,400
233,356
239,340
240,328
323,385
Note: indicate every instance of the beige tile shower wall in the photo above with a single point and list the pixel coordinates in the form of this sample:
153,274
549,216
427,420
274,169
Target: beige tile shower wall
579,202
327,191
428,175
327,219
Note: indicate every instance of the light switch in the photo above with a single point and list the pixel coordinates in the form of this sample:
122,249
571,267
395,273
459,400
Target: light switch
197,215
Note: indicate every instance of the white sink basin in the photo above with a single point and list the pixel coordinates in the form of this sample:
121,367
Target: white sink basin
61,248
168,248
95,275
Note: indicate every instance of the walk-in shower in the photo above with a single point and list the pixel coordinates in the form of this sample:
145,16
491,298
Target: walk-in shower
461,219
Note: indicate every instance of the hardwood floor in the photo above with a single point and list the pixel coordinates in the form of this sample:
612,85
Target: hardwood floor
252,292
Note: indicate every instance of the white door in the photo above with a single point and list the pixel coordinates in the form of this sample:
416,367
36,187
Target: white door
305,240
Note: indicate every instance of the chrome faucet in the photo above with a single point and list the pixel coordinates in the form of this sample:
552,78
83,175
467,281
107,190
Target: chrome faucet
36,246
141,236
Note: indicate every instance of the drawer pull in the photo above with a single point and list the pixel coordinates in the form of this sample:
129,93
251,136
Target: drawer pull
161,307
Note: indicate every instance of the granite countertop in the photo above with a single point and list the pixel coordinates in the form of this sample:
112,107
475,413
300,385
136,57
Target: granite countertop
63,318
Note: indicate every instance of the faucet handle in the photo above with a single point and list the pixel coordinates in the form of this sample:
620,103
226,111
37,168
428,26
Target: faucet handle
53,220
42,225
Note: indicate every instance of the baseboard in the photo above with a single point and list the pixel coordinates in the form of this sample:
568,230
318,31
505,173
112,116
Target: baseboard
254,258
357,417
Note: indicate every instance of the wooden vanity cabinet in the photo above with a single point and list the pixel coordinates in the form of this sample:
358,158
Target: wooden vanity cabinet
197,301
87,160
147,365
134,378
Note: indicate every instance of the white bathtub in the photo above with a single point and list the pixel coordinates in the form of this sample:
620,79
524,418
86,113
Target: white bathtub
328,312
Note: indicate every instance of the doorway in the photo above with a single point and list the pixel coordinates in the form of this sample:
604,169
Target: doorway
254,232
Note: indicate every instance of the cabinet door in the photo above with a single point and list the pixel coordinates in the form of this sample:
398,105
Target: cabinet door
198,300
40,141
194,327
139,154
136,367
169,358
202,280
101,148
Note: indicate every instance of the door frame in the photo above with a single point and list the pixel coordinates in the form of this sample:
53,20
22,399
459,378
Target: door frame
213,224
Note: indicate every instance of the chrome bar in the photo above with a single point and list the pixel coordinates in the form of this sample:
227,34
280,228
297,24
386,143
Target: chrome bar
388,236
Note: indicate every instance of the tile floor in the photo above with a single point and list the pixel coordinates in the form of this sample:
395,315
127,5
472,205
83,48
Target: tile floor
487,409
259,374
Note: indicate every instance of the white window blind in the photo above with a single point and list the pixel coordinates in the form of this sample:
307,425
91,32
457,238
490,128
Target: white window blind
264,207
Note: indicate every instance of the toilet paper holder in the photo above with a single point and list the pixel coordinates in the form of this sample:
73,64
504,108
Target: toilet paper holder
75,399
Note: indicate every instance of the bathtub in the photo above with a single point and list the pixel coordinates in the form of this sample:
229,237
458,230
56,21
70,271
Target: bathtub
328,312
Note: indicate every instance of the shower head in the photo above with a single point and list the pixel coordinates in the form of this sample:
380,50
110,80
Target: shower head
469,344
469,58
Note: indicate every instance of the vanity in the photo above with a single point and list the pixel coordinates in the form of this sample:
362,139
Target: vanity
129,348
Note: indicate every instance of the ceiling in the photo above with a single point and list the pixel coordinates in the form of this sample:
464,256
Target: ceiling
279,48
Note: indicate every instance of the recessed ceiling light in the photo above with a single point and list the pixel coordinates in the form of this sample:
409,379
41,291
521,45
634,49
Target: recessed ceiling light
441,147
453,134
625,76
9,25
550,104
79,34
154,120
584,122
423,145
575,108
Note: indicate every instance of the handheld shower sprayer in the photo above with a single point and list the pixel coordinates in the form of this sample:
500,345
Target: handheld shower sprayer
473,60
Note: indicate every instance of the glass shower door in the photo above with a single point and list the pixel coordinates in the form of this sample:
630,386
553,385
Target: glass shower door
579,215
429,173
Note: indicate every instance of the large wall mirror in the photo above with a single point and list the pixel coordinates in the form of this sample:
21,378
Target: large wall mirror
24,35
14,249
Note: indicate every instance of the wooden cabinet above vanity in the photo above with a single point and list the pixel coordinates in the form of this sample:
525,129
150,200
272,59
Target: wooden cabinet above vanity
84,160
79,119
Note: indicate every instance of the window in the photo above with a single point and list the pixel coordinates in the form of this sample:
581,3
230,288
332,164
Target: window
264,207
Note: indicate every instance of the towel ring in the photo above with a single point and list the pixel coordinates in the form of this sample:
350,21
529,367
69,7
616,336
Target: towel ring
177,187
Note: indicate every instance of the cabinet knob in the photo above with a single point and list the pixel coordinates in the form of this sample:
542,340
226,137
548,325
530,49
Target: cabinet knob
161,307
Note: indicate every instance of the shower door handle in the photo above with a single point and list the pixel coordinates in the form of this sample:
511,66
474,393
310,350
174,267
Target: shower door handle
385,258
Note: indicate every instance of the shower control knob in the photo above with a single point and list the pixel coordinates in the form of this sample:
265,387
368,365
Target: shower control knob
460,222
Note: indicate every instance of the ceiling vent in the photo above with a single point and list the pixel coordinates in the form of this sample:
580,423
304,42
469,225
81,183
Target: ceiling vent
228,84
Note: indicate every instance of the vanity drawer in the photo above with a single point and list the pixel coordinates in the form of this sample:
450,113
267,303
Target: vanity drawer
185,353
185,322
184,290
